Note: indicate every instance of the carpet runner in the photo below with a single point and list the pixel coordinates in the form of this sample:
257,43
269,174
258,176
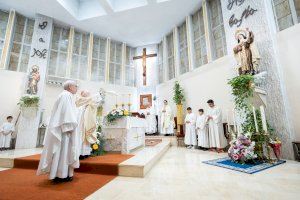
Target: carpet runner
21,182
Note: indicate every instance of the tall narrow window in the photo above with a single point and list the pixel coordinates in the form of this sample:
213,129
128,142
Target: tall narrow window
129,68
183,49
79,58
99,58
217,29
297,6
171,65
160,63
58,54
283,14
115,63
3,24
20,50
199,39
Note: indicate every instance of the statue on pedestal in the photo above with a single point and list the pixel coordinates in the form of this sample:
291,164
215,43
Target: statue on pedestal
34,78
246,52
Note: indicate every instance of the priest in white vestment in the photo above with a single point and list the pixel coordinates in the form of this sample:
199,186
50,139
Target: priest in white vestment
60,153
87,121
6,131
216,132
201,128
150,120
190,138
167,122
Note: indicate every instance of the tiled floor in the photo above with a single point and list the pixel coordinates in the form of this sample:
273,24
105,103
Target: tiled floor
19,153
180,174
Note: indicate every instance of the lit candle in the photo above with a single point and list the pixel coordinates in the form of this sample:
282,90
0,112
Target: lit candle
255,120
263,119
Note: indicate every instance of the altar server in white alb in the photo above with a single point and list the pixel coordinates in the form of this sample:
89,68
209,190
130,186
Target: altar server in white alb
87,121
151,120
6,131
217,139
60,153
190,138
167,123
201,127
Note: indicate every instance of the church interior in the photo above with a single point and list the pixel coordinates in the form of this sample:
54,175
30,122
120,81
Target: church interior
149,99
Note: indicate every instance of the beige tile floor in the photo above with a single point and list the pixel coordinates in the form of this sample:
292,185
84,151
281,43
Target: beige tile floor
181,175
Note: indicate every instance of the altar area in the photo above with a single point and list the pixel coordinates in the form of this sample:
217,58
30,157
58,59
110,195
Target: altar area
126,135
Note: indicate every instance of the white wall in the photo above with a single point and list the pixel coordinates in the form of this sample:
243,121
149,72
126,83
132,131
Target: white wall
11,87
51,93
207,82
288,42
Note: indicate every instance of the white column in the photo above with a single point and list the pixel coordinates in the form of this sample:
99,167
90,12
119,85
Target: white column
165,59
90,57
41,39
190,42
107,60
7,40
70,51
207,30
176,51
123,64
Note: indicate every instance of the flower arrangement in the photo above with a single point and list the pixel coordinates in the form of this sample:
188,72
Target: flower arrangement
98,147
276,146
114,115
29,101
242,150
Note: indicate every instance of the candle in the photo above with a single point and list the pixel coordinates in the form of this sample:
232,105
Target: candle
255,120
234,122
227,120
263,119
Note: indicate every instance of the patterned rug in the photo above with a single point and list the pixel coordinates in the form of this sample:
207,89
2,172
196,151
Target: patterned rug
245,168
152,142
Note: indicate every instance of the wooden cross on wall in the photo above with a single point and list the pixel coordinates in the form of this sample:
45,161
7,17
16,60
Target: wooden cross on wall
144,57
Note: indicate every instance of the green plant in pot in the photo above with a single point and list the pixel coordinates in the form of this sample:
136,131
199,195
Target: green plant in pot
179,98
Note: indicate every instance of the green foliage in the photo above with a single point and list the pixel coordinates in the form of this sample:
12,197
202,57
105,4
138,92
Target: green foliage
242,90
101,143
29,101
111,119
178,97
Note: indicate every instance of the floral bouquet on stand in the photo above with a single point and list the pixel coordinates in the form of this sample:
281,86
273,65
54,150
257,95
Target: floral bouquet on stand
114,115
276,146
98,147
242,150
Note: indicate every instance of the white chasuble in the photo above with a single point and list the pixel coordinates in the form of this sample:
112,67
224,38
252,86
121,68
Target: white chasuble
60,155
190,137
215,128
167,123
201,127
6,131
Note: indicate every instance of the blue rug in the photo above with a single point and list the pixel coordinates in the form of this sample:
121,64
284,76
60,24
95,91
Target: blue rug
246,168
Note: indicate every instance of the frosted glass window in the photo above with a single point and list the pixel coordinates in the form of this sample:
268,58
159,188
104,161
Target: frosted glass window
171,65
199,39
3,24
20,50
283,14
129,67
183,49
79,67
160,63
217,29
297,6
115,63
99,59
58,53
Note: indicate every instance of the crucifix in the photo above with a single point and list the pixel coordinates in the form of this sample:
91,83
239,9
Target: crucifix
144,57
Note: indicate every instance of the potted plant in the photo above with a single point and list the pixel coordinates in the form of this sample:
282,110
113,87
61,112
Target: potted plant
29,105
179,98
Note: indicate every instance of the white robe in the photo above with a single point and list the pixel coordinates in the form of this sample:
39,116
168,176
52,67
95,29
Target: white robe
201,126
167,122
6,131
151,121
190,137
60,155
216,131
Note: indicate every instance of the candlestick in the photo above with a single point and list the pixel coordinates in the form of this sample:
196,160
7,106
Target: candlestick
227,120
255,120
234,122
263,119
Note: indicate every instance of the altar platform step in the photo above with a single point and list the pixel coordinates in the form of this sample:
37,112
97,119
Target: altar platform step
138,164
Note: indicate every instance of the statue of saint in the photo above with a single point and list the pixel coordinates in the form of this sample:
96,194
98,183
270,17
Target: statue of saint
34,78
246,52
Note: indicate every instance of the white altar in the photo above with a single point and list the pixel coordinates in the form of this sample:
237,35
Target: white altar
126,135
